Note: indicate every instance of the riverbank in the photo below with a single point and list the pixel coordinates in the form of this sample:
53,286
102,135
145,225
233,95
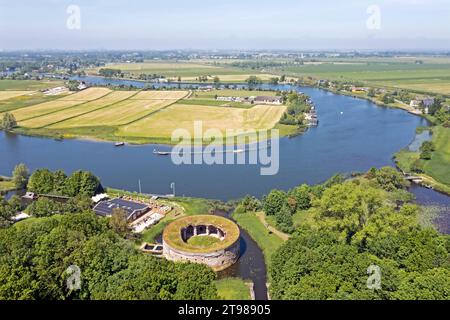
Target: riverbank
435,172
6,185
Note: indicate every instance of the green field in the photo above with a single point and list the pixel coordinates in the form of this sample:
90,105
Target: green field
232,289
186,70
438,167
6,185
432,76
268,242
29,85
203,242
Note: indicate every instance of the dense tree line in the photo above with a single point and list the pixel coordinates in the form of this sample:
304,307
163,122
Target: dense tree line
357,224
35,256
84,183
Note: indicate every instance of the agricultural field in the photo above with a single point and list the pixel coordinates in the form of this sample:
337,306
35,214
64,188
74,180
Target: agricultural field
60,104
24,101
187,71
433,76
5,95
138,116
163,123
115,115
28,85
81,109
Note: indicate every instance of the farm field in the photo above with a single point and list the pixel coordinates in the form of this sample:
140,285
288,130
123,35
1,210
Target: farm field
5,95
163,123
187,71
24,101
432,76
29,85
103,102
138,116
59,104
118,114
88,94
159,95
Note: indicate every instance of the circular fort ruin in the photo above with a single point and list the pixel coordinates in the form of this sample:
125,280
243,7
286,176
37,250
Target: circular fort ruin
206,239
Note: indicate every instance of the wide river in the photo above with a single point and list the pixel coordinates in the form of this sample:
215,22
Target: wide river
353,135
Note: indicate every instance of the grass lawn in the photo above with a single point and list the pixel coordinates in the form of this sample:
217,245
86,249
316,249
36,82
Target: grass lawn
6,185
232,289
439,165
203,241
29,85
268,242
438,168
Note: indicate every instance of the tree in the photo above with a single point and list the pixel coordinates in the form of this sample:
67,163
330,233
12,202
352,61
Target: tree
20,176
371,92
284,220
119,223
8,122
36,255
302,197
427,148
390,179
6,213
274,81
216,80
273,202
41,182
253,80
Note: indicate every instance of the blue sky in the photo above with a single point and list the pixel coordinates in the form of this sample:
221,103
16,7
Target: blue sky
225,24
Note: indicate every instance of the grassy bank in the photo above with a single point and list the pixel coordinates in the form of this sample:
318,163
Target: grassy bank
233,289
267,241
6,184
437,169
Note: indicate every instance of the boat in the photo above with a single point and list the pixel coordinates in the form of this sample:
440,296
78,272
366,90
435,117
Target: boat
119,144
238,151
161,153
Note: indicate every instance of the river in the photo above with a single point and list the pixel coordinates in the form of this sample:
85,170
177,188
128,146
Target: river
353,136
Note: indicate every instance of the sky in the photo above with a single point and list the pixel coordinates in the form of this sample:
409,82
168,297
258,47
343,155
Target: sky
224,24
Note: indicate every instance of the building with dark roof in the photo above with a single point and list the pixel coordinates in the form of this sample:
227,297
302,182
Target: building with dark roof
134,209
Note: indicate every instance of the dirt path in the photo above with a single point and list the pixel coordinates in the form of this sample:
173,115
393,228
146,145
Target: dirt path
278,233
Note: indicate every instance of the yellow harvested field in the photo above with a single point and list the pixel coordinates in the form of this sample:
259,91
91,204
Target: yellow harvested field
118,114
88,94
5,95
105,101
42,109
160,95
163,123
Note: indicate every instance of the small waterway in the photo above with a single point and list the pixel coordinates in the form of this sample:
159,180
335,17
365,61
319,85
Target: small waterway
251,264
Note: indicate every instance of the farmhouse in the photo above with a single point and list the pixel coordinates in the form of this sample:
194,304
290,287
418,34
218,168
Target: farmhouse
134,209
268,100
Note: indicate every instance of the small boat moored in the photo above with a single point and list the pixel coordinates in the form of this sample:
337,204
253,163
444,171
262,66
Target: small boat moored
119,144
161,153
